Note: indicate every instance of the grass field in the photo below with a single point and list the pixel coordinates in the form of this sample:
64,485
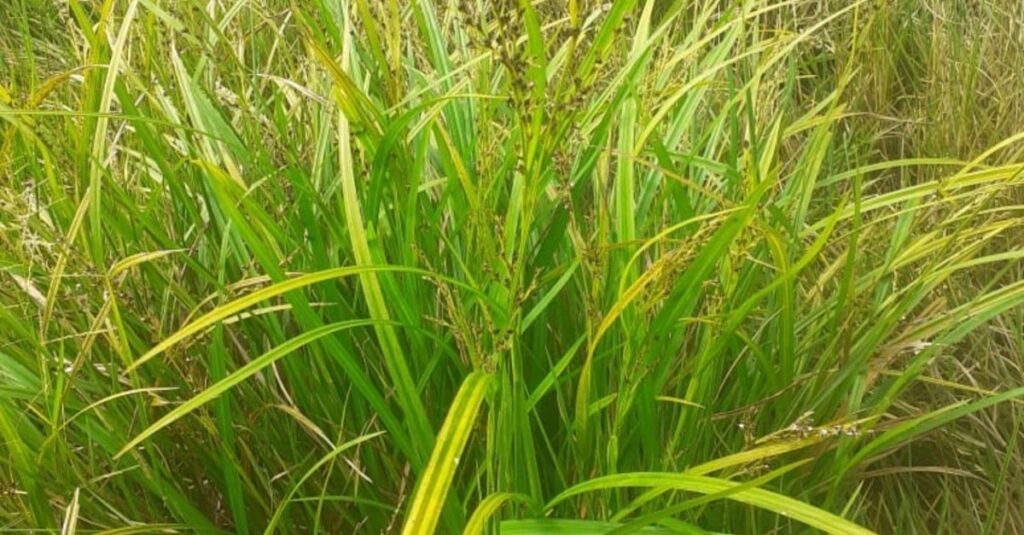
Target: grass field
517,266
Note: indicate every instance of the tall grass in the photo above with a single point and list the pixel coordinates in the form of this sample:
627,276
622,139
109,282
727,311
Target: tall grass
417,266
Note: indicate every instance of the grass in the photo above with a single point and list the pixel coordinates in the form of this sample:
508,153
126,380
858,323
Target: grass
418,266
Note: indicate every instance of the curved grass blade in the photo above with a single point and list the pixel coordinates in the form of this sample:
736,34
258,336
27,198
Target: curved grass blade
764,499
485,510
922,424
143,529
240,375
667,513
433,486
233,307
276,518
554,526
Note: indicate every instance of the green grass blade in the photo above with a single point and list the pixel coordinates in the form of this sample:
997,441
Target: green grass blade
435,483
767,500
240,375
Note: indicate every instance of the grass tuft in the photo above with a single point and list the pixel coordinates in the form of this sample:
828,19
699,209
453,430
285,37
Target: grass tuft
418,266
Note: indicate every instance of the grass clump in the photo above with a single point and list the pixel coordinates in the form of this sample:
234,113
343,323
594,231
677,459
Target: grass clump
538,267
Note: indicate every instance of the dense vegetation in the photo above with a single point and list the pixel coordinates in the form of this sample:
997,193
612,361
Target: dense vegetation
560,266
